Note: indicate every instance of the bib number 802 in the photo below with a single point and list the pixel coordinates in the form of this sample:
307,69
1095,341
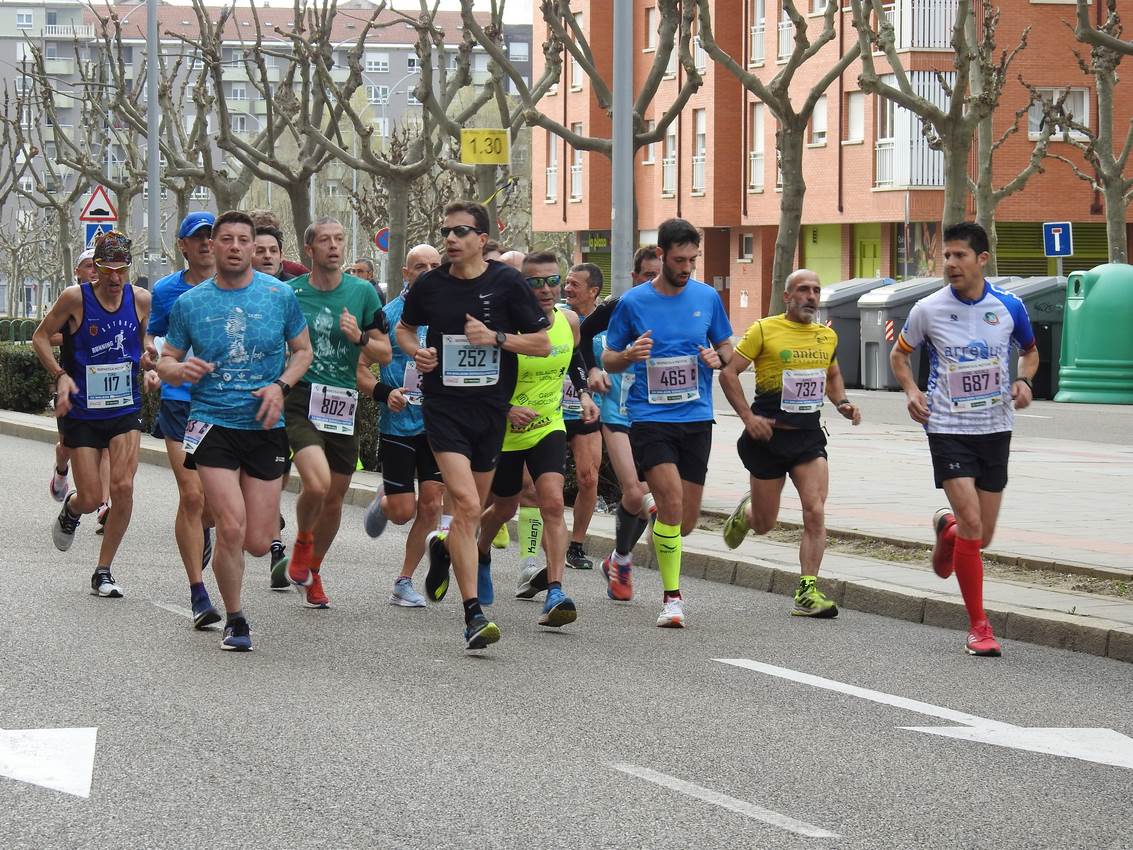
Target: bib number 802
333,406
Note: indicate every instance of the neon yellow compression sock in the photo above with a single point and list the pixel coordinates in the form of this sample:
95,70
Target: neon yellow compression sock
530,533
667,545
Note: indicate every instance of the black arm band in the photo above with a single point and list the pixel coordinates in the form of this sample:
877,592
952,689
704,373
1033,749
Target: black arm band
378,323
577,372
382,391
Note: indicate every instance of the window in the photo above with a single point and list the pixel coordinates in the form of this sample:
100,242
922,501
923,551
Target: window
747,246
669,161
817,7
648,158
127,54
699,148
575,68
855,116
755,151
24,52
453,60
1075,103
22,84
145,192
331,189
381,127
239,92
886,117
412,65
24,20
651,28
377,63
576,166
51,50
552,192
200,193
818,122
411,98
520,51
377,94
52,19
27,183
239,124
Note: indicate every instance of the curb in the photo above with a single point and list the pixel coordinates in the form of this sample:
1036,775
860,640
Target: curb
1099,637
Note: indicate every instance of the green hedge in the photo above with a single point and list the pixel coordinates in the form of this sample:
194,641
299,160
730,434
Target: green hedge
24,383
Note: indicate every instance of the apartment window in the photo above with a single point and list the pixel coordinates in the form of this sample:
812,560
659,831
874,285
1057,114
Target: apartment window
145,192
648,158
239,124
552,192
27,183
411,98
818,122
239,93
520,51
576,68
51,50
24,52
747,246
24,20
755,151
200,193
377,63
886,117
377,94
1076,104
22,84
671,68
817,7
412,65
699,148
381,127
855,116
651,25
576,166
669,161
453,61
127,54
52,19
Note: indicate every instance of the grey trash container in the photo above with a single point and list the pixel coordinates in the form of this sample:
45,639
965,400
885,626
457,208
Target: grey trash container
838,309
883,313
1044,298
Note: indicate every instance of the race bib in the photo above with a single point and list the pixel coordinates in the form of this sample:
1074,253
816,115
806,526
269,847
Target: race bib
672,380
194,432
411,384
332,409
803,390
467,365
110,385
976,384
571,402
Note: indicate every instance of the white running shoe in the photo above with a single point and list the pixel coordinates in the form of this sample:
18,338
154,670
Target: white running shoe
102,583
374,520
58,485
672,616
63,528
405,596
532,579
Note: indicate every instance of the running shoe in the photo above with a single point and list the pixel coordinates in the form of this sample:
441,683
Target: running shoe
736,526
502,538
102,584
619,579
436,579
299,574
237,636
558,610
943,521
58,485
206,552
404,594
103,513
204,614
649,505
532,580
576,558
375,521
672,615
812,602
316,598
480,632
982,642
279,567
63,528
484,590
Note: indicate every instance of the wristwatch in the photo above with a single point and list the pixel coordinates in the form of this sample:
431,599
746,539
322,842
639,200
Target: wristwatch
284,387
501,338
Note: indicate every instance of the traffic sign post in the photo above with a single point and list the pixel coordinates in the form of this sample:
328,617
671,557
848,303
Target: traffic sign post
1058,240
479,146
94,229
98,207
381,239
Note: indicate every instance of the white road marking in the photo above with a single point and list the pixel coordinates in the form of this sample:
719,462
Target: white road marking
59,759
174,609
1033,416
1101,746
742,807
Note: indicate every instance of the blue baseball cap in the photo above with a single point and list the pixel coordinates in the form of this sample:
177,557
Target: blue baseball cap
193,222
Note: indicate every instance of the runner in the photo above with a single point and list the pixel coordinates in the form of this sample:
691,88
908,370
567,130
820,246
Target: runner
783,433
479,314
405,451
191,526
672,332
240,326
968,328
363,269
288,268
536,440
583,286
98,396
344,319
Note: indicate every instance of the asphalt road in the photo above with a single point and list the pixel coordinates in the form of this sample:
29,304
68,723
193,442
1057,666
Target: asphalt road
368,726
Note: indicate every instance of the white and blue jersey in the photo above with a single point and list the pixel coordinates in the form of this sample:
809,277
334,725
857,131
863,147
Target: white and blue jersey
572,405
165,294
243,333
673,385
410,421
968,344
614,410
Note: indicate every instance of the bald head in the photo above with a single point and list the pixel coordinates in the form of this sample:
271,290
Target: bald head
420,259
513,259
799,275
802,295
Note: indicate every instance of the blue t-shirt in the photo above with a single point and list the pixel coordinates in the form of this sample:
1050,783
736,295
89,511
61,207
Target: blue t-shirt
681,324
410,421
165,293
243,333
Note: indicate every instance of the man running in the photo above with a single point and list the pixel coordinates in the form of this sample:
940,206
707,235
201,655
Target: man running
783,435
479,314
363,269
194,238
583,286
344,319
98,396
968,328
536,441
672,332
406,456
240,326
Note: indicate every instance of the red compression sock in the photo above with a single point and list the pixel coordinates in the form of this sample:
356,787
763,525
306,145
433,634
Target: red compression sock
969,568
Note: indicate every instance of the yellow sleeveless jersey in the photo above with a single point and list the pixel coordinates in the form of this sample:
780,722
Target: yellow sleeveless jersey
539,385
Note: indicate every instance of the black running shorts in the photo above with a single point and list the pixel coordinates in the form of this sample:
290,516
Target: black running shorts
686,444
979,456
772,459
576,427
97,433
262,454
404,460
473,428
341,450
547,455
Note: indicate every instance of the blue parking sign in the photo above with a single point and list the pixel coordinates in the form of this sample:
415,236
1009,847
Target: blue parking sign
94,229
1058,239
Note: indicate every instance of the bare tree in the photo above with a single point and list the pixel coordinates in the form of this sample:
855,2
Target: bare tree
791,120
28,245
1105,34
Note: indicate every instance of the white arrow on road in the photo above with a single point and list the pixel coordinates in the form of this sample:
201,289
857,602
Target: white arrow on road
59,759
1102,746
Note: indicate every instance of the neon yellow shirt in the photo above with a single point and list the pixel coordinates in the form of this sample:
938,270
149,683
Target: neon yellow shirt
539,385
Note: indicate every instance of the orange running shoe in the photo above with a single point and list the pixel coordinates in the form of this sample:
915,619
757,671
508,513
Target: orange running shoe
619,580
982,642
316,598
299,571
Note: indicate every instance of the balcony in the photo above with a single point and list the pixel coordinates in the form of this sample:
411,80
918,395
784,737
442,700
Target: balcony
698,174
669,175
883,167
786,39
576,182
68,31
59,67
755,171
552,183
757,50
238,107
923,25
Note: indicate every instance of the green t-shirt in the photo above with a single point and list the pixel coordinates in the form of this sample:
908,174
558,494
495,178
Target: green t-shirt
336,357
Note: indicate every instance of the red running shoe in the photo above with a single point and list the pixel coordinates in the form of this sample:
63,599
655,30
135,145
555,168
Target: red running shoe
299,572
619,580
944,525
316,598
982,642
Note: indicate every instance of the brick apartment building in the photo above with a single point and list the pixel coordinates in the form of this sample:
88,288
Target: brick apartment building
874,188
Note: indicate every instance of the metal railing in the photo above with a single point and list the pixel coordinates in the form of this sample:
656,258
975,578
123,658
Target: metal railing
925,24
757,51
786,39
755,170
552,183
68,31
883,164
698,173
575,182
669,175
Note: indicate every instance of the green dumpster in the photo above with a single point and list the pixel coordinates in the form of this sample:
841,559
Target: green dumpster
5,330
1096,366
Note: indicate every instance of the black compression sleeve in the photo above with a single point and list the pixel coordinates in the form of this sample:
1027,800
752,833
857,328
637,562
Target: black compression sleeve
593,325
577,371
382,391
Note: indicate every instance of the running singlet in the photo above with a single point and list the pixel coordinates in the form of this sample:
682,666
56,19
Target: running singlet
165,294
969,346
791,361
539,385
572,404
243,333
410,421
336,357
673,385
102,358
594,328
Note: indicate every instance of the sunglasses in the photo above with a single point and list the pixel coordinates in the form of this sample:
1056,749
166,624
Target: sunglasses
460,231
109,269
540,282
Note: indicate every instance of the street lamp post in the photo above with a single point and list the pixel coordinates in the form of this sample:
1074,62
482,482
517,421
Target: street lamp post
153,144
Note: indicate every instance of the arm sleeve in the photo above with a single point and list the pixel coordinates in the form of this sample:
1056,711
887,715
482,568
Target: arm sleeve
913,333
620,329
373,319
382,391
577,370
591,326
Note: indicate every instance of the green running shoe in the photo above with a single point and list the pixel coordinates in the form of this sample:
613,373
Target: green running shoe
812,602
736,526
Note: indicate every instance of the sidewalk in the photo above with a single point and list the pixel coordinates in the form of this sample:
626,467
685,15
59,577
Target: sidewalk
890,494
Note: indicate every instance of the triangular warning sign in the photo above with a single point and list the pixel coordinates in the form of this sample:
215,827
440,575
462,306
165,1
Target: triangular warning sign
99,208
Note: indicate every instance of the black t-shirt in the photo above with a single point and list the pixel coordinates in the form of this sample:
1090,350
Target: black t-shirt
500,298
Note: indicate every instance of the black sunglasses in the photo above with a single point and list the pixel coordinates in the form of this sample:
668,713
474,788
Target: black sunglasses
540,282
461,230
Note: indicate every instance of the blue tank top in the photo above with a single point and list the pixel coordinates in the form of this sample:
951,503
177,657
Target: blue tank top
102,358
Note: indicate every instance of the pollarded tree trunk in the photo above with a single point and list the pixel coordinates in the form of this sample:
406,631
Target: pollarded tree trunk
63,217
985,193
397,189
789,142
299,193
1115,233
485,189
956,147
